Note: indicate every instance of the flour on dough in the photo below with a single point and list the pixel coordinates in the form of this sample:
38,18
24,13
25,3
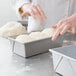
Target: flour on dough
48,32
24,38
12,28
37,35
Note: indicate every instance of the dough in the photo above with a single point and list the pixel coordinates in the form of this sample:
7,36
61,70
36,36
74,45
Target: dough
48,32
12,29
33,36
24,38
37,35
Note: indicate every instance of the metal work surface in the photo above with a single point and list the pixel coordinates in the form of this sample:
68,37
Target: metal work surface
14,65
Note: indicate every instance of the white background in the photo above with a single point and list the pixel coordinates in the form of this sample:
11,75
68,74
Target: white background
7,13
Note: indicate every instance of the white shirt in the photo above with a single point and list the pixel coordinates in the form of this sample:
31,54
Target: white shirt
55,10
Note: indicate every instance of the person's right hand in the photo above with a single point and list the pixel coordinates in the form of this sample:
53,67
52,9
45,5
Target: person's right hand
33,10
65,25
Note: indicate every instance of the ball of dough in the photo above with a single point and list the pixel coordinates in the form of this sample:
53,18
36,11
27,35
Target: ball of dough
48,32
12,29
24,38
37,35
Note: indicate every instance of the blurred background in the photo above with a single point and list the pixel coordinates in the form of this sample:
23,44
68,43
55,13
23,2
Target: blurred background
7,11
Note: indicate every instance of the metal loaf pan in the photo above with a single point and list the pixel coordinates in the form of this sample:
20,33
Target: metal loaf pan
35,47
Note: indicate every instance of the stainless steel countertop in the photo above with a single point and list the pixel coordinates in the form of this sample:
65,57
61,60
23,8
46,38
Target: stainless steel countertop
14,65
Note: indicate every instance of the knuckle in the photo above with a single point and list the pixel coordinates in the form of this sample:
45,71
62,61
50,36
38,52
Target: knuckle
59,29
69,24
61,21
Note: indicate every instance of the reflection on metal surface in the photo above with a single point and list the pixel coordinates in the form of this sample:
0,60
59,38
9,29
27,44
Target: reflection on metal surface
24,69
14,65
69,39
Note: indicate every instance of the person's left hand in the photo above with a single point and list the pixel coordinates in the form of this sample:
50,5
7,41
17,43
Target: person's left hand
65,25
34,10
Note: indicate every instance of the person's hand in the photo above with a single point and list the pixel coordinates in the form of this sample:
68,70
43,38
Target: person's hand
65,25
33,10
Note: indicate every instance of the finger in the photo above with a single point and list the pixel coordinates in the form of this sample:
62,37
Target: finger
73,30
56,34
32,13
41,12
36,12
62,22
65,29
